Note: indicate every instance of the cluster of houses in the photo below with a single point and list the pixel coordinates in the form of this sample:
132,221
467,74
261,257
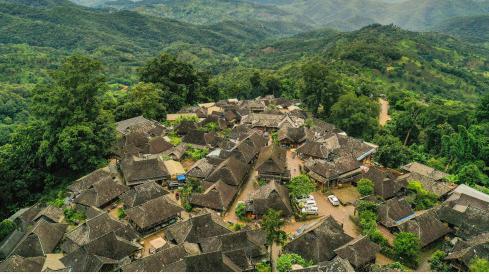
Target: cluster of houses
133,210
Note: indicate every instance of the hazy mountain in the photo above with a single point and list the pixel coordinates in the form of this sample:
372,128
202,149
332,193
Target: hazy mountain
472,28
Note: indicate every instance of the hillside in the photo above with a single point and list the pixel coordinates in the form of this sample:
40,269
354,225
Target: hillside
427,63
472,28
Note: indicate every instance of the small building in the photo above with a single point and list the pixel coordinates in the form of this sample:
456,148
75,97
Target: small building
177,152
465,251
319,241
101,193
360,252
51,214
426,226
231,171
174,168
124,127
142,193
200,169
271,195
394,212
158,261
291,136
138,170
196,229
218,196
431,179
154,214
272,163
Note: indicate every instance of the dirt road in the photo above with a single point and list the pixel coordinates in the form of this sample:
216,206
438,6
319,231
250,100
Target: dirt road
384,112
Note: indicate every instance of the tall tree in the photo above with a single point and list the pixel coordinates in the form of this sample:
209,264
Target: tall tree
78,133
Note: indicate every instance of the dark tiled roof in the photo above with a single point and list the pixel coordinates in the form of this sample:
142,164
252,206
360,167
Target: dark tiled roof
81,261
157,261
101,193
142,193
153,212
426,226
142,169
232,171
292,134
196,228
272,159
477,246
20,264
139,121
394,211
271,195
201,169
87,181
358,252
51,213
41,239
218,196
319,241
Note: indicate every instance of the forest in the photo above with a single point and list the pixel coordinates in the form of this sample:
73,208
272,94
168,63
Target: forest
59,100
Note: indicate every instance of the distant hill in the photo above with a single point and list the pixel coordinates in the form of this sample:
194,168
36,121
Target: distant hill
472,28
122,39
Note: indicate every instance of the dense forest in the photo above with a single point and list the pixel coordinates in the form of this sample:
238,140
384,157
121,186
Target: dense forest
67,73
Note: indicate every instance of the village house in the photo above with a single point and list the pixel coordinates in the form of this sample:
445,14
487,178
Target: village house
176,153
319,241
156,262
291,136
360,252
394,212
272,163
142,193
200,169
231,171
138,170
17,263
465,251
385,182
431,179
101,193
217,196
139,124
154,214
272,195
426,226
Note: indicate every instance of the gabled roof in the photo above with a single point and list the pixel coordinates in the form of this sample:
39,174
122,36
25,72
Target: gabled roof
177,152
87,181
20,264
41,239
196,228
111,246
51,213
97,227
465,251
139,170
208,262
319,241
272,195
359,251
153,212
427,227
394,212
231,171
337,264
195,137
218,196
81,261
425,171
101,193
385,184
201,169
139,121
157,261
157,145
293,135
439,188
142,193
185,127
272,159
313,149
470,219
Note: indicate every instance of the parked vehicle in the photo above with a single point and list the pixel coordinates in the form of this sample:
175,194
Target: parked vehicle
175,185
305,199
334,200
310,210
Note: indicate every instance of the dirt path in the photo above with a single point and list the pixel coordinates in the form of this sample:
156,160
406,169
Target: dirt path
246,190
384,112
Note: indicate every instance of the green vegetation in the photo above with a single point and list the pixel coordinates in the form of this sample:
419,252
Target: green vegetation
272,223
437,262
468,28
196,153
6,227
121,213
406,248
301,186
421,198
479,265
191,186
365,187
241,211
74,217
287,260
263,267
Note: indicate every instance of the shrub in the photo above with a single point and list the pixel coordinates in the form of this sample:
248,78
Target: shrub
285,262
437,262
423,199
241,211
479,265
196,153
264,267
73,216
121,213
6,227
301,186
365,187
272,223
407,248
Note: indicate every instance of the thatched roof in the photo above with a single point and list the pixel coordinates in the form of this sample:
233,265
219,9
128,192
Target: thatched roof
272,195
272,159
138,170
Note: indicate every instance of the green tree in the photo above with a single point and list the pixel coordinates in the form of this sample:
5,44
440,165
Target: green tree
6,227
301,186
78,133
365,187
483,109
437,262
471,175
287,260
185,84
241,211
263,267
145,99
479,265
272,223
407,247
391,152
423,199
356,115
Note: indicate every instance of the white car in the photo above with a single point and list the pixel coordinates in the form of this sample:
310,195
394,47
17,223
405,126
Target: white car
310,210
334,200
306,199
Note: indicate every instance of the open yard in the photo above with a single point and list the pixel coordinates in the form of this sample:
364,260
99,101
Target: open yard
347,194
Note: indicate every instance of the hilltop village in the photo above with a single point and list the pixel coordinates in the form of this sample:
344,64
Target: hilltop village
226,186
